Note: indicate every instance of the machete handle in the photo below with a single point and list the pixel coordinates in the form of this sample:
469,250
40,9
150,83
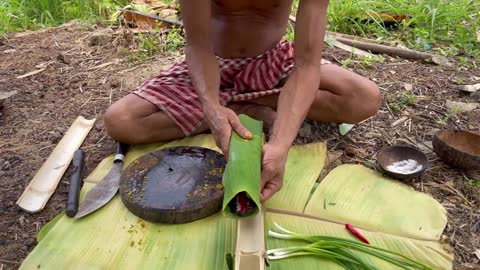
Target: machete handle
75,181
120,151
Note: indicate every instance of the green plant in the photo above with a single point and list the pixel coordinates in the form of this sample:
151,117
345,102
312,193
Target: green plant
431,23
346,62
371,61
447,117
471,183
18,15
405,99
463,61
148,46
341,251
156,41
290,34
172,40
141,8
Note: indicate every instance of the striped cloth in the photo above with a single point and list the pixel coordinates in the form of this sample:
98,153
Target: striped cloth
241,79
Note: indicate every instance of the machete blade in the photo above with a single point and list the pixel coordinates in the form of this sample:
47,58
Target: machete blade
102,193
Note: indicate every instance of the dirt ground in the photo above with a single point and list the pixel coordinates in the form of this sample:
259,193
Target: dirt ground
80,79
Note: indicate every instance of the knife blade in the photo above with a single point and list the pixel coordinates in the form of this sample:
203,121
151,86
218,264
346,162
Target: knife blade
106,189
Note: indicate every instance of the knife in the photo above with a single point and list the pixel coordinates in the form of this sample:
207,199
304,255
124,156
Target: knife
104,191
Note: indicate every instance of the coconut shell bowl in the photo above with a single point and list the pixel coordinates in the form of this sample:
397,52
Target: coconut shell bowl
402,162
458,148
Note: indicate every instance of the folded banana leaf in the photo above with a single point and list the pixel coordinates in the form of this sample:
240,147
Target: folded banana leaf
241,180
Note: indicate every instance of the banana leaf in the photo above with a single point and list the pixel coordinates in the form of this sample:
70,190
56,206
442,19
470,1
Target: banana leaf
390,214
242,173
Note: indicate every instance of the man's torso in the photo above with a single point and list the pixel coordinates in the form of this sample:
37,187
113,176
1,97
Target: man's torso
246,28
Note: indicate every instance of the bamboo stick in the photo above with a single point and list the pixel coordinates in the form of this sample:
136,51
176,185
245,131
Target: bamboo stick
250,247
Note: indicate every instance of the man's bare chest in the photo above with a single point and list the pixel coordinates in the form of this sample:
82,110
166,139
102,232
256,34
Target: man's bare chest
263,7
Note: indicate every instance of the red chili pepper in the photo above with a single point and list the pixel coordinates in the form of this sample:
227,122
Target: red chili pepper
242,199
356,233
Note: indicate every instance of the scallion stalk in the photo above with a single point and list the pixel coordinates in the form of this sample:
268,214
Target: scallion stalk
338,250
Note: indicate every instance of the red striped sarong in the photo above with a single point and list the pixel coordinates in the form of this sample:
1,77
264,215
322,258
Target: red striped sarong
241,79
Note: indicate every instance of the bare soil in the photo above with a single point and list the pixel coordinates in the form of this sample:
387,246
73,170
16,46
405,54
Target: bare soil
80,79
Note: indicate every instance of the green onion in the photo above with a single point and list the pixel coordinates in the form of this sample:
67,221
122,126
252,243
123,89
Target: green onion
338,250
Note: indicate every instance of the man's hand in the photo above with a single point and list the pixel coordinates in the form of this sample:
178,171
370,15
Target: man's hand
222,121
273,169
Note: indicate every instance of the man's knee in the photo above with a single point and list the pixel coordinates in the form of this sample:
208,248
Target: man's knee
373,98
116,122
365,102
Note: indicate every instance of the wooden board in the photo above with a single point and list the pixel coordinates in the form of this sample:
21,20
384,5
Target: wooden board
174,185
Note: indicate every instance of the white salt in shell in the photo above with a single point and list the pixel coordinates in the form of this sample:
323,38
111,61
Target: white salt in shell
407,166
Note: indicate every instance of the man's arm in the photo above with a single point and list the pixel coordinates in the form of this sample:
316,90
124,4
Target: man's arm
297,94
200,57
205,74
300,89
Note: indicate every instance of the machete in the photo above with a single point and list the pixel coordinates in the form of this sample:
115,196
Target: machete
104,191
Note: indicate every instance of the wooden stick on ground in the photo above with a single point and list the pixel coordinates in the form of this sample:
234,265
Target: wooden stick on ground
369,40
351,49
340,45
378,48
250,247
372,46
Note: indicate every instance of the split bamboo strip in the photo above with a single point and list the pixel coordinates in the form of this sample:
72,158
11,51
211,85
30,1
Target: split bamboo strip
46,180
250,245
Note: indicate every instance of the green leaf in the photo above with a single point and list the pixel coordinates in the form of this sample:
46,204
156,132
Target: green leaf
388,213
243,169
345,128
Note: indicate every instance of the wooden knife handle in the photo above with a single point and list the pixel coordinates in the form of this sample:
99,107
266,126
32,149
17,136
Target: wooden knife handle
75,181
120,151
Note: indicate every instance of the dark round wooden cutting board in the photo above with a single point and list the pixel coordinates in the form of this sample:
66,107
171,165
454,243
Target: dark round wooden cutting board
174,185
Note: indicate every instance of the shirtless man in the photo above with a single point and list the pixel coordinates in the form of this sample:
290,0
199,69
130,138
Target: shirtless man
236,62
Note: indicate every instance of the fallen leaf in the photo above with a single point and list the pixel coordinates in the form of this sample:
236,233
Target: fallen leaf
408,86
332,156
5,95
116,61
476,96
392,71
477,253
345,128
426,147
469,88
305,130
469,266
441,61
460,107
44,65
399,121
9,51
164,13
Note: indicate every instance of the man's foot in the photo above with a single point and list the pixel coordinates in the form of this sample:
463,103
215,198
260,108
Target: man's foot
259,112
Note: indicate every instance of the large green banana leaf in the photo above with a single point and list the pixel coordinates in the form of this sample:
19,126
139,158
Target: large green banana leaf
388,213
